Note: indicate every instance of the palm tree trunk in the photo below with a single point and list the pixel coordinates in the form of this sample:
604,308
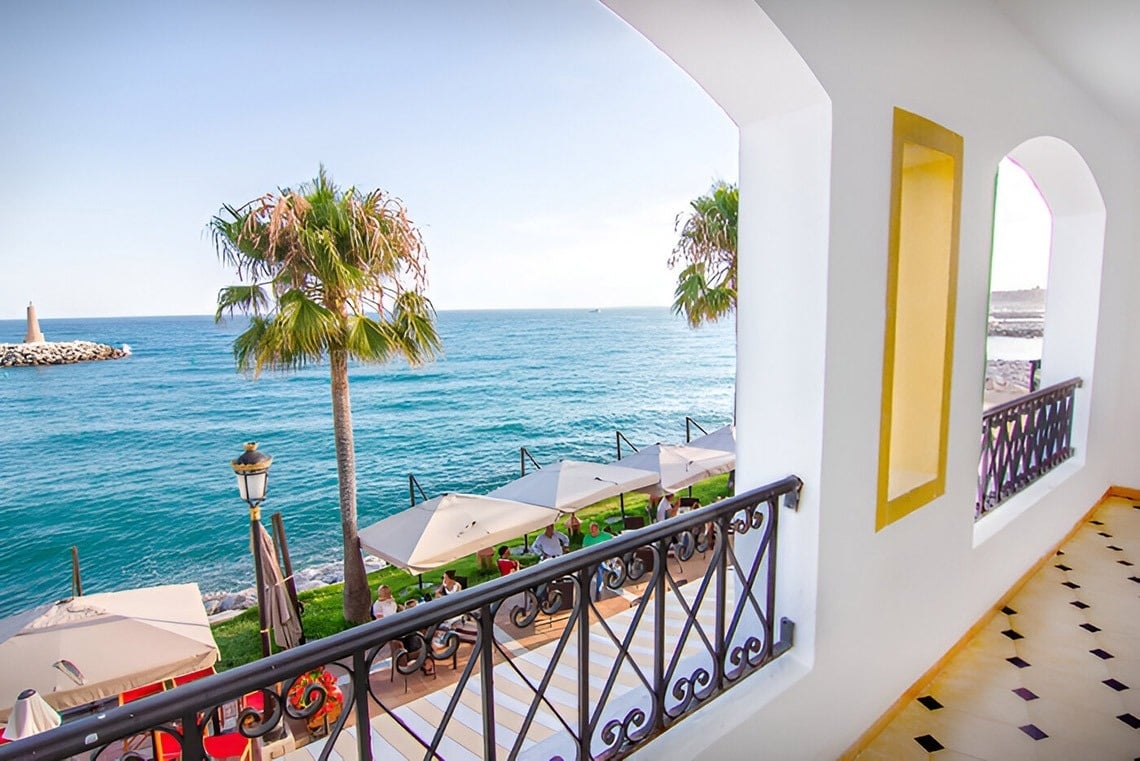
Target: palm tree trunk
356,594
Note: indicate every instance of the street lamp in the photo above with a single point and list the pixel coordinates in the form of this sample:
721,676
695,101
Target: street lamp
252,469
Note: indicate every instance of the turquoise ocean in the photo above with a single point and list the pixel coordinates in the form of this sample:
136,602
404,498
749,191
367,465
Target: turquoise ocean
129,459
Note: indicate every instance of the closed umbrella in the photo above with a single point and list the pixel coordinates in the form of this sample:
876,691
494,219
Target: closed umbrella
282,617
433,533
572,484
680,466
30,715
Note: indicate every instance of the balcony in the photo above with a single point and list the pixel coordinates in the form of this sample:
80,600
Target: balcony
587,682
1023,440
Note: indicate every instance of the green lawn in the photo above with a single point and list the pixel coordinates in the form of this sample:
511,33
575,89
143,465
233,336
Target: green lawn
238,638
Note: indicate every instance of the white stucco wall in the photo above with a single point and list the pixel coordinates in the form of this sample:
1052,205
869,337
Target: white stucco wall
875,610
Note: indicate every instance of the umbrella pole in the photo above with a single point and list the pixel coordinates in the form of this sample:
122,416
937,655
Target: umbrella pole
262,613
421,582
76,579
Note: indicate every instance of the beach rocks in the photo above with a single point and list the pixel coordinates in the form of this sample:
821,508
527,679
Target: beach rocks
56,353
220,603
1007,375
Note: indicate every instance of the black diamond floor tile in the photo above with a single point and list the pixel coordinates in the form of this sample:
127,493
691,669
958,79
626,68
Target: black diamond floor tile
1090,627
1013,634
1025,694
1008,611
1114,548
1079,604
1134,578
1105,534
1033,731
1116,684
1102,654
1063,567
1071,585
929,744
1123,562
1096,522
929,703
1019,662
1130,720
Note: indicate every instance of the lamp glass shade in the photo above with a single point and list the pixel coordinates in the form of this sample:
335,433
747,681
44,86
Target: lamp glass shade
253,486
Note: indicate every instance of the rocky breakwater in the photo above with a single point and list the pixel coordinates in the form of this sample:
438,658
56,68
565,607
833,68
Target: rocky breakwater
57,353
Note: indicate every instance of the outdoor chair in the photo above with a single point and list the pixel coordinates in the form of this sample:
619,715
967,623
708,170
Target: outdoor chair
193,676
564,589
138,693
633,522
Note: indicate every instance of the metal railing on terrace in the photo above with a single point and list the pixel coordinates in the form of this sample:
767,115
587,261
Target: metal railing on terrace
600,686
1023,440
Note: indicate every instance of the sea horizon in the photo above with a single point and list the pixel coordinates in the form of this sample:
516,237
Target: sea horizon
129,459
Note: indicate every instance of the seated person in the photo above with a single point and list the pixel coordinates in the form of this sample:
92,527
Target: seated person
666,508
550,543
597,536
450,585
385,604
574,531
507,564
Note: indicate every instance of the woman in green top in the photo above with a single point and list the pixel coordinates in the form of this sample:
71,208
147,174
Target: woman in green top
596,536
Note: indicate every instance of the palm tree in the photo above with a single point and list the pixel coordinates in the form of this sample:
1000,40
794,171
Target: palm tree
328,273
706,285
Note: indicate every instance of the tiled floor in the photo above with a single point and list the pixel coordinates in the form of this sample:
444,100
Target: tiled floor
1054,675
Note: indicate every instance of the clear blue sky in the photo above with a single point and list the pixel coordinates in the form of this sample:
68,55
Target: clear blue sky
542,145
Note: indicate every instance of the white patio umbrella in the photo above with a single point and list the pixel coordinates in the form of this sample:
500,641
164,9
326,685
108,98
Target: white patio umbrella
722,439
680,466
87,648
283,619
572,484
30,715
433,533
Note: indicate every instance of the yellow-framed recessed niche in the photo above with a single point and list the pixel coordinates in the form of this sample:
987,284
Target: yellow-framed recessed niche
922,279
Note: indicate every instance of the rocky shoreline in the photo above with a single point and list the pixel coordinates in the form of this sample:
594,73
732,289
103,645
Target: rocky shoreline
57,353
222,605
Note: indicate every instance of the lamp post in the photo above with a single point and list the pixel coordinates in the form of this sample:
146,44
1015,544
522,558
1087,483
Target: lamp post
252,469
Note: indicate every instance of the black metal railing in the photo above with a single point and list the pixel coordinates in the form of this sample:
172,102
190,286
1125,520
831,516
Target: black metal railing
702,616
1022,440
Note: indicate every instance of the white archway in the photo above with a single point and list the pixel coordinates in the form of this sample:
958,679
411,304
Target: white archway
734,51
1072,307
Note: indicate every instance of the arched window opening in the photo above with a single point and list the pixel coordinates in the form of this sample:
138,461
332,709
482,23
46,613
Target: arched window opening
1048,247
1019,275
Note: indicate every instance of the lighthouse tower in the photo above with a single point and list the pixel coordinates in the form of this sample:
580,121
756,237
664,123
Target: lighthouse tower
34,335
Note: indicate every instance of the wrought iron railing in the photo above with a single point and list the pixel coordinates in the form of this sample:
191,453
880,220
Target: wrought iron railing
1022,440
702,616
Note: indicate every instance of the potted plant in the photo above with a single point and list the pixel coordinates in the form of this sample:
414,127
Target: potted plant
333,703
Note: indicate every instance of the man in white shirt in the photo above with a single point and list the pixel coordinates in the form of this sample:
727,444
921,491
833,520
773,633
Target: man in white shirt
550,543
666,508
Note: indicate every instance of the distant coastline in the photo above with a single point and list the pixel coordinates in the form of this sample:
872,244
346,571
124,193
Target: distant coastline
1017,315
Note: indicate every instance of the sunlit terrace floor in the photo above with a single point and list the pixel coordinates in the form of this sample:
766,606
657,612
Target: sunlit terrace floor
420,702
1055,674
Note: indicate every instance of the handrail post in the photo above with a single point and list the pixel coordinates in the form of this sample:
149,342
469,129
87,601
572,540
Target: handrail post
585,730
659,686
487,678
360,678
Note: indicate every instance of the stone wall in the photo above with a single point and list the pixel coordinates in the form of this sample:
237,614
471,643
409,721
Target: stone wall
56,353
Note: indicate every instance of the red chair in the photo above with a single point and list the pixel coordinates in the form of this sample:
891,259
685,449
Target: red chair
194,676
230,745
138,693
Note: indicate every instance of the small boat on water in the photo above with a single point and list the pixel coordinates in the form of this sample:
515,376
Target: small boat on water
595,311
